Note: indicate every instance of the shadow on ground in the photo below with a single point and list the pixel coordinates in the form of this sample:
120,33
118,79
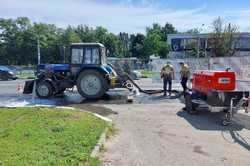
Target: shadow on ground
206,120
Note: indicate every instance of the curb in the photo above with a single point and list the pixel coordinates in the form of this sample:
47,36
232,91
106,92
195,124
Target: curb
100,142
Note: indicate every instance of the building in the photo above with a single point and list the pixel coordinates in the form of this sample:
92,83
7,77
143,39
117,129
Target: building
183,44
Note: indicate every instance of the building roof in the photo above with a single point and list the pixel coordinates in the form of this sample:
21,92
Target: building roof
195,36
87,44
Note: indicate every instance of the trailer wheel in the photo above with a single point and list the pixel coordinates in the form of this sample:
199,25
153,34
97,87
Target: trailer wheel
190,106
44,89
91,84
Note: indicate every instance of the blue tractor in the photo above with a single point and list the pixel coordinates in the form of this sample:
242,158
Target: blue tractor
88,71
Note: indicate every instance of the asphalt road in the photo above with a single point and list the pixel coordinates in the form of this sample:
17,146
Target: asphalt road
160,133
10,87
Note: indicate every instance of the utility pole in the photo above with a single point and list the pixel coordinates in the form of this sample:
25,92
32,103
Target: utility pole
198,46
199,40
207,56
64,55
38,52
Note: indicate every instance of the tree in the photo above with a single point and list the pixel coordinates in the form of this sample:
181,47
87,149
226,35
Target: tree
151,45
224,38
111,44
86,34
136,47
19,38
163,49
193,31
70,36
124,44
156,40
168,29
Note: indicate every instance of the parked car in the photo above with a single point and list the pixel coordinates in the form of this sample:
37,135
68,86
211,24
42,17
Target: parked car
6,73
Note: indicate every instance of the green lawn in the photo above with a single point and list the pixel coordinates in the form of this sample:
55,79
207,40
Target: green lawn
26,74
46,136
147,74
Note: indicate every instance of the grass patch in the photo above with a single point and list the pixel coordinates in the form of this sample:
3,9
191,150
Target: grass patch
26,74
147,74
46,136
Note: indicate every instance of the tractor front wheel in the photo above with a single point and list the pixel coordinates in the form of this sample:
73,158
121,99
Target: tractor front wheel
44,89
91,84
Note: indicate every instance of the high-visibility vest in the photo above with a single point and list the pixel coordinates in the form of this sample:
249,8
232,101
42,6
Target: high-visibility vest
167,70
185,72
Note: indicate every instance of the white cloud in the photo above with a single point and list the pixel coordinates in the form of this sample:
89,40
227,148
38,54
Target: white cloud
116,17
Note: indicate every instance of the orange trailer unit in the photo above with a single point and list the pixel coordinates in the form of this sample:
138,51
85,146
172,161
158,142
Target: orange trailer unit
216,91
205,81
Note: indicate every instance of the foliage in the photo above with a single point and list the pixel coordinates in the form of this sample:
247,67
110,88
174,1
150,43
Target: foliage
155,41
193,31
191,48
223,39
137,42
147,74
26,74
46,136
19,38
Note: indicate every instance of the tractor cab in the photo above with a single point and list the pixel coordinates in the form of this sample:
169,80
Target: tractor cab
87,55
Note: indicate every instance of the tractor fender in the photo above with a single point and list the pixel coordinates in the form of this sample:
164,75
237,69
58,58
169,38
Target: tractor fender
100,69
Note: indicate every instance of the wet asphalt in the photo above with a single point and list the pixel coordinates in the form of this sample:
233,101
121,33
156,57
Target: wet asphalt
10,87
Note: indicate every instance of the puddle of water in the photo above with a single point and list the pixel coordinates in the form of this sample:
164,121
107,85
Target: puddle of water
25,100
116,96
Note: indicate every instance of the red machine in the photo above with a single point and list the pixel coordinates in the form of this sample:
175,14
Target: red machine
216,91
205,81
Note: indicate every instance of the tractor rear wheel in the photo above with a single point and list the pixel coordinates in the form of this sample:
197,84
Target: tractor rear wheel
44,89
91,84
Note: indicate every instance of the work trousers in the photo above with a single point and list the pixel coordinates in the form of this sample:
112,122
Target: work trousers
167,81
184,83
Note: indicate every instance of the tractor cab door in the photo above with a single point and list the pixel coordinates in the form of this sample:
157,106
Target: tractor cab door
84,56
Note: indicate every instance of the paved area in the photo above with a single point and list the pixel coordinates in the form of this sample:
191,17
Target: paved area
154,131
10,87
159,133
162,134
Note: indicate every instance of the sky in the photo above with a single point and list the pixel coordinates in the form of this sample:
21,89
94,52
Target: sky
131,16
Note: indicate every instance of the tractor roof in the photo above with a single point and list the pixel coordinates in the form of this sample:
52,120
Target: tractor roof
87,44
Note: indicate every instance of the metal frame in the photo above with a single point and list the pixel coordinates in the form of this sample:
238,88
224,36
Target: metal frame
230,111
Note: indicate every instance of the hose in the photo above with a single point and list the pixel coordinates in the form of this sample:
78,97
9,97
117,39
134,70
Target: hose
126,77
150,92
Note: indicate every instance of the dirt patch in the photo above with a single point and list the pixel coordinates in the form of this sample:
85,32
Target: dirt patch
94,109
223,159
198,149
